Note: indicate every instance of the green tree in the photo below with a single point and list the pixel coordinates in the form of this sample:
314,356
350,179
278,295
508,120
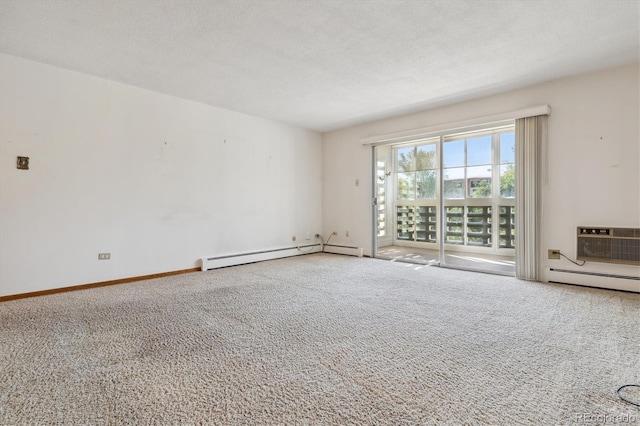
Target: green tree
405,161
508,182
416,170
426,184
482,189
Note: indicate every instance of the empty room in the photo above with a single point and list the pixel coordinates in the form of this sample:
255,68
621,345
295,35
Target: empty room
327,212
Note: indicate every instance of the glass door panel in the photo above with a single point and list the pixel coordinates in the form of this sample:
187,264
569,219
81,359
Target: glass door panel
478,200
412,187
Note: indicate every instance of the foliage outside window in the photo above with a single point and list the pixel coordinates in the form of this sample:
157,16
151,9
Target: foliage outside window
507,165
417,172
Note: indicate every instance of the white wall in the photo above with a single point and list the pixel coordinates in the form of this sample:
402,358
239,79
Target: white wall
155,180
593,159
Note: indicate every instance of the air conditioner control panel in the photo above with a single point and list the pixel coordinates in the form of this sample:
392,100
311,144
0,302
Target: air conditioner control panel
594,231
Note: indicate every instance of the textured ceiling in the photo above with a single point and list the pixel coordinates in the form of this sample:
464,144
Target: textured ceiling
324,64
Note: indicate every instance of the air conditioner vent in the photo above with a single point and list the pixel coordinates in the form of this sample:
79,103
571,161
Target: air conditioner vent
611,245
626,232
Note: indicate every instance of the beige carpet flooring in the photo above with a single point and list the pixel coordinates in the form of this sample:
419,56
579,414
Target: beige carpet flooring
320,339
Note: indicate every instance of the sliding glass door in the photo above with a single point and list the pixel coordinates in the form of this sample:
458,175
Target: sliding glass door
448,199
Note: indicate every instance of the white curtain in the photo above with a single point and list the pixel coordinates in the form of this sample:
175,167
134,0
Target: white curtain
531,135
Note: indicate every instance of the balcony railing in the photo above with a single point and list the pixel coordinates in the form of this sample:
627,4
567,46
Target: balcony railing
507,226
464,225
417,223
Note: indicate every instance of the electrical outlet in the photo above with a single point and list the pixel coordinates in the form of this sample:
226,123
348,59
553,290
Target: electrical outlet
346,234
23,163
554,253
104,256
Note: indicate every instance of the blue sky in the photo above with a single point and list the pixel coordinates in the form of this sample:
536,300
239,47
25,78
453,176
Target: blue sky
478,152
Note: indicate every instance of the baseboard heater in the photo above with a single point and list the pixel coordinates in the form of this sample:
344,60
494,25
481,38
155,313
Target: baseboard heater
208,263
348,250
594,279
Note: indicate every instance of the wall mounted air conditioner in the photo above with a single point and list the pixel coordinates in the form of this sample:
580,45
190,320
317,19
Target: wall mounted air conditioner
610,245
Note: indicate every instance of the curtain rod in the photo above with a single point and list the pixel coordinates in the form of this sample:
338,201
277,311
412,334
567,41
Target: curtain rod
456,125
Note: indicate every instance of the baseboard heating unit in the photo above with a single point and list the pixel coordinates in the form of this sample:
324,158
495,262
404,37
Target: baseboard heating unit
348,250
214,262
595,279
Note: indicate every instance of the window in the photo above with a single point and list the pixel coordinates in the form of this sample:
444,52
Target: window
416,169
479,187
468,167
